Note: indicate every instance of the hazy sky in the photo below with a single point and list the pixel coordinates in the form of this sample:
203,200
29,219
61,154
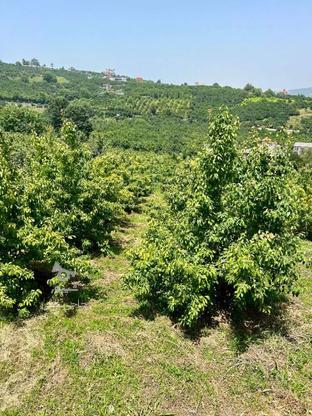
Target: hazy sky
267,43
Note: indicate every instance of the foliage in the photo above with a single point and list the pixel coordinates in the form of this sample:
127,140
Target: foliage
20,119
305,127
80,112
227,234
58,202
304,167
268,112
48,77
55,111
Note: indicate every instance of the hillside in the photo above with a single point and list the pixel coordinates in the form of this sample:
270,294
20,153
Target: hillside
126,98
146,115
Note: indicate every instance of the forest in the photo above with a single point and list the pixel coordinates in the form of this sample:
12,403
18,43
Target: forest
184,216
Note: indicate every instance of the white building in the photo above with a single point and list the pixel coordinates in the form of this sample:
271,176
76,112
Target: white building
300,147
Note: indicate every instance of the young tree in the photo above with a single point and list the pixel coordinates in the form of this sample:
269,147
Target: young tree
80,112
55,111
227,236
50,78
21,119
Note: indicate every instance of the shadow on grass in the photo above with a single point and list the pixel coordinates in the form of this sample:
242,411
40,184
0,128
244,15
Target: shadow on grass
73,300
70,303
146,310
251,327
245,329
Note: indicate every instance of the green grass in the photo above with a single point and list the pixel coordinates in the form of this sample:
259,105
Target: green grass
111,358
294,121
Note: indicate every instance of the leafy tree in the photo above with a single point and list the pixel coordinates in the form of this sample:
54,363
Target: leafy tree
227,236
50,78
35,62
269,93
305,127
55,111
54,204
304,167
80,112
20,119
249,87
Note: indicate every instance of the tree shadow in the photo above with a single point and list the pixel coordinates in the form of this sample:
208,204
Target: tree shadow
146,310
252,326
70,302
245,328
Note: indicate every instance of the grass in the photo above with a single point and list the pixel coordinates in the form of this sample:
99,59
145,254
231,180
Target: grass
108,359
294,121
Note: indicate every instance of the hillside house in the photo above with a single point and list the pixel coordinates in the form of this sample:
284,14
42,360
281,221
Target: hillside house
300,147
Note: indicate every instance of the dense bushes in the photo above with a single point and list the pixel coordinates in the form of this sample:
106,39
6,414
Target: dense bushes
273,113
26,244
305,127
56,203
21,119
304,167
227,236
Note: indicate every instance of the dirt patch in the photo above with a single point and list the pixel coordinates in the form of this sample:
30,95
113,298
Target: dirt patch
56,377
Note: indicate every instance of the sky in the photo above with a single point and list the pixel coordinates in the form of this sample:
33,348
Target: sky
232,42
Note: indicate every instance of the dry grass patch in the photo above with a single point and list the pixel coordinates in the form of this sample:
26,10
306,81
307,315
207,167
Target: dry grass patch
19,367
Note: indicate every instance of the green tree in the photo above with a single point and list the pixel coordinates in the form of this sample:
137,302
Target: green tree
50,78
249,87
55,111
80,112
21,119
35,62
227,236
305,127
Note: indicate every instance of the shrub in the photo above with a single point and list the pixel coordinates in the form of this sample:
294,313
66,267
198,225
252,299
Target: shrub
53,207
50,78
304,167
31,239
20,119
227,235
80,112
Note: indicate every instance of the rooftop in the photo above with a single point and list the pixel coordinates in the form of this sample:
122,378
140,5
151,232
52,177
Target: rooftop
302,144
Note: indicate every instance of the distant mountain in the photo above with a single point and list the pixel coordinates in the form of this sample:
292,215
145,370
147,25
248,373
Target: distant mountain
302,91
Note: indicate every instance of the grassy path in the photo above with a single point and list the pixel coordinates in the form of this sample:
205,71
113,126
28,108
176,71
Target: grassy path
108,359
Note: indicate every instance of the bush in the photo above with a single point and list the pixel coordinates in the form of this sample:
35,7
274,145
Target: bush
227,235
80,112
20,119
53,207
304,167
50,78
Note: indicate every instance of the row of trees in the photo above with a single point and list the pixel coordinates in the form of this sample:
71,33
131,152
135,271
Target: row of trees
227,238
32,62
59,203
23,119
